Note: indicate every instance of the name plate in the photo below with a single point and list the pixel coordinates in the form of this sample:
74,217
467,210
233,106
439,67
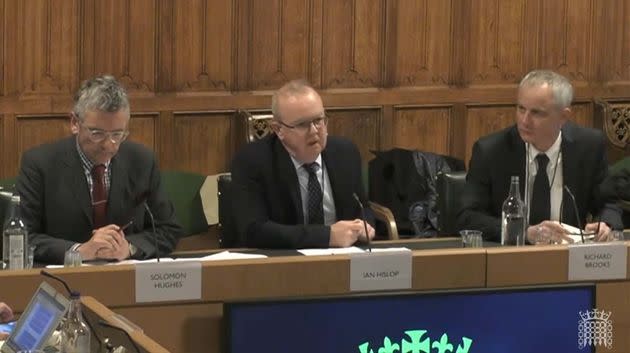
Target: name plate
380,271
156,282
597,261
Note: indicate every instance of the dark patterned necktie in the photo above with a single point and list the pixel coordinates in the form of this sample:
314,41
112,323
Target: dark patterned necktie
315,195
541,194
99,196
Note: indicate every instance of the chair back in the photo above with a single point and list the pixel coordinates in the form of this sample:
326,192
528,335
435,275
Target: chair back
182,188
228,236
450,187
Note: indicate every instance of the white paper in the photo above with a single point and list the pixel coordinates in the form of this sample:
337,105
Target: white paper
381,270
168,281
224,255
331,251
597,261
389,249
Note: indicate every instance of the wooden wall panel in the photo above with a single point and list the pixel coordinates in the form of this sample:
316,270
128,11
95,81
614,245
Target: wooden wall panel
41,53
2,87
425,74
483,120
142,129
31,131
564,34
496,41
120,39
583,114
611,41
422,128
359,125
275,41
202,142
418,42
201,47
352,43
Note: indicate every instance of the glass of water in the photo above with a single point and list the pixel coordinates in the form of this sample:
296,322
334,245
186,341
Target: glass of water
72,259
471,238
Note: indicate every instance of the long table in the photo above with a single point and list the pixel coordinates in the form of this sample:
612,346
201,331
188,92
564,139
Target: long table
196,326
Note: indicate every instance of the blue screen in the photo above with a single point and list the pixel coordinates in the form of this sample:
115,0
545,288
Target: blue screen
540,320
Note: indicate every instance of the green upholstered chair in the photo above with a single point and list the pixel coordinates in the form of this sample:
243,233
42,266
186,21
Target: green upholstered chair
182,188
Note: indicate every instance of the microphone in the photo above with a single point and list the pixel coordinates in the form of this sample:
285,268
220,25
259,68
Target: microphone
141,199
155,242
107,324
73,294
575,209
367,236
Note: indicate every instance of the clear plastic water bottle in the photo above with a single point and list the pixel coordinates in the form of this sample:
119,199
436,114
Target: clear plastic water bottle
513,216
15,239
75,333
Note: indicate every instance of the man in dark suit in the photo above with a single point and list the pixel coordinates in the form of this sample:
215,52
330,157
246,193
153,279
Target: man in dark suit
86,192
541,140
294,188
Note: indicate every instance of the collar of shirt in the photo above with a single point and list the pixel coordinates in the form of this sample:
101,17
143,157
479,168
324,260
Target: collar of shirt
297,164
552,152
85,161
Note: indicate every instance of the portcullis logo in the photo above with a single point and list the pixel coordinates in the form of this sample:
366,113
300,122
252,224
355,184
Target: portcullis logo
595,329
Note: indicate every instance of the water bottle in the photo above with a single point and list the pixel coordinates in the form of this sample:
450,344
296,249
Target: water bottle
15,239
75,334
513,216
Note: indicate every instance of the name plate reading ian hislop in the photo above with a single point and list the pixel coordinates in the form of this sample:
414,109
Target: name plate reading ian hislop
380,270
597,261
165,281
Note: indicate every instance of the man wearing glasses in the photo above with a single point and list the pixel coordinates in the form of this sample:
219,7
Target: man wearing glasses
294,188
553,156
87,192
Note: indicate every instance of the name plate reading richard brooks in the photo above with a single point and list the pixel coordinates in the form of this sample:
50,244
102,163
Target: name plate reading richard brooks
164,281
380,270
597,261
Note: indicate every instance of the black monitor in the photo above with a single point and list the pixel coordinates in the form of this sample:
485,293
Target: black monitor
517,320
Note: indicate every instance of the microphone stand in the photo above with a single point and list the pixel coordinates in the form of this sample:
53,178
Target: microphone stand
575,210
155,242
367,236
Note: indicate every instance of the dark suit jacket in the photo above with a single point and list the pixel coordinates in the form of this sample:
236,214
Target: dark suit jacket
500,155
266,197
56,203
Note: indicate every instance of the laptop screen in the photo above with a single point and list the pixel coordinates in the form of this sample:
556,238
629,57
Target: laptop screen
41,317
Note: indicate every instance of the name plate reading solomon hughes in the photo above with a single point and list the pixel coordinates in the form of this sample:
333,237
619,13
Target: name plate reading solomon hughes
166,281
597,261
380,270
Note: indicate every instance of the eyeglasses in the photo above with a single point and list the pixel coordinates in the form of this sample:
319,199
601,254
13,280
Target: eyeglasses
305,126
98,135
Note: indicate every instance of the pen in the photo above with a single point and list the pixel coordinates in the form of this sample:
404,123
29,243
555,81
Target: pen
126,225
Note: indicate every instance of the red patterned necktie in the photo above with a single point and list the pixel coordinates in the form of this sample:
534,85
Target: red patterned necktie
99,196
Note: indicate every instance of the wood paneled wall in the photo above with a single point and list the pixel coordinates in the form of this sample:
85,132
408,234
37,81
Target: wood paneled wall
428,74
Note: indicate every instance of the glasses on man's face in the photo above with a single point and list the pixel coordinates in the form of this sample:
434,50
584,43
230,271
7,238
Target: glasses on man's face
305,126
98,135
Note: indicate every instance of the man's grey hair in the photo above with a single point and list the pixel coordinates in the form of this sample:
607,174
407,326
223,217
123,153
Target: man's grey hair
102,93
560,86
293,88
